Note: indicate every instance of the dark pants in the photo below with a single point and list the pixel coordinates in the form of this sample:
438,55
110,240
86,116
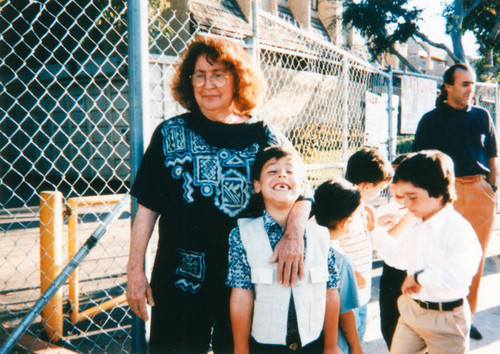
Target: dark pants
182,326
390,290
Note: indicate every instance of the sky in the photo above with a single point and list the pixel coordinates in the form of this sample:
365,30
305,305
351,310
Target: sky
434,25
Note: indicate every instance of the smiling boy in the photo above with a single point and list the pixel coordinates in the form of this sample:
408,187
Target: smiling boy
441,254
265,315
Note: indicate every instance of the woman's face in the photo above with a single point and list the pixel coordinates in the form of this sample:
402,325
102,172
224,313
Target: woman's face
215,95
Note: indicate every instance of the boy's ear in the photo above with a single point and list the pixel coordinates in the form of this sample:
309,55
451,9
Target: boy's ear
346,222
256,186
364,185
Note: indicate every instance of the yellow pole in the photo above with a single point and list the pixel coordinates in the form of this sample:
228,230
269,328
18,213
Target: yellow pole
102,307
72,249
51,221
74,288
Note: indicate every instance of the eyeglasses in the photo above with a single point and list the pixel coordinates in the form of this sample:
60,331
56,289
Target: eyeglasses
218,79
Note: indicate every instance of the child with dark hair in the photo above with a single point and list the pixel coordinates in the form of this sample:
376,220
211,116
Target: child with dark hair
268,317
395,218
336,204
371,172
441,255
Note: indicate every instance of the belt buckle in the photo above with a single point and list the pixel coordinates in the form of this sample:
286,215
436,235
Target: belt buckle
425,303
293,346
440,304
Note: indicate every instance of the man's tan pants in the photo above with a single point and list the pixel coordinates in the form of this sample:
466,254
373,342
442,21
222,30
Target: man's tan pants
476,202
420,330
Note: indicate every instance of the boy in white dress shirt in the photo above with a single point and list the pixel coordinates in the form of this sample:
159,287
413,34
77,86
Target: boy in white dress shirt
441,254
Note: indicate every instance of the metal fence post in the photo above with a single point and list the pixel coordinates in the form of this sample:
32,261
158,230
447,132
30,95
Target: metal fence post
345,108
255,31
392,123
138,88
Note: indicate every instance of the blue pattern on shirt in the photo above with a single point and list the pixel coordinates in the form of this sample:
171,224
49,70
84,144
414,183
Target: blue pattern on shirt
239,273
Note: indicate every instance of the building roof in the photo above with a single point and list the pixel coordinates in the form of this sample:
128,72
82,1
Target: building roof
225,17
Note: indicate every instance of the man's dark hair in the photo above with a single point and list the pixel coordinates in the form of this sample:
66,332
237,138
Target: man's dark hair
335,200
431,170
449,78
368,165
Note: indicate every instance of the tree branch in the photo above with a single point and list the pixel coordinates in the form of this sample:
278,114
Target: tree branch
472,7
404,60
438,45
495,30
491,69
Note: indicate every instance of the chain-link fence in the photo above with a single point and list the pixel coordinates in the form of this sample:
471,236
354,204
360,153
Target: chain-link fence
65,127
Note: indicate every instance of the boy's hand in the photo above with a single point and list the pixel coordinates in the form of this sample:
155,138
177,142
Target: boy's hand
388,220
410,286
332,350
360,280
356,350
371,218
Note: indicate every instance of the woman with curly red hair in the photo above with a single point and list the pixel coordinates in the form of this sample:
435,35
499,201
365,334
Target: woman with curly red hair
195,176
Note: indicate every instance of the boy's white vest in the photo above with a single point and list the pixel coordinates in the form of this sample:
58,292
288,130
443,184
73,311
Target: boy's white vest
270,314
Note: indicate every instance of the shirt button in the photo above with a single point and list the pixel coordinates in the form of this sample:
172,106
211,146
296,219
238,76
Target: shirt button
282,328
283,307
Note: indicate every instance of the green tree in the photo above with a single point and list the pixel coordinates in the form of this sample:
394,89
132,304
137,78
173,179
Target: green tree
387,22
384,23
481,17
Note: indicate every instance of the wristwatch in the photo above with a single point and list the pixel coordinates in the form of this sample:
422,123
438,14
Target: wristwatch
415,276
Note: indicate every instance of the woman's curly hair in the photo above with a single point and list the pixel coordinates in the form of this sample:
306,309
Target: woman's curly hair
248,83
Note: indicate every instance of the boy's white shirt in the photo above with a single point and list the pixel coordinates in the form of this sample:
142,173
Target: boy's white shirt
393,207
445,247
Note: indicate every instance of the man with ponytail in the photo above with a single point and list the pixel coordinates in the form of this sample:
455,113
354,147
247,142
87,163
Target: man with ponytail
467,134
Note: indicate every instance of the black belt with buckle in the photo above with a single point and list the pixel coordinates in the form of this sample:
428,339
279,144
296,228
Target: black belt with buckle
440,306
293,346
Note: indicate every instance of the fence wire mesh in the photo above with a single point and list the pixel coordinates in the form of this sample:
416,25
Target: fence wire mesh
64,126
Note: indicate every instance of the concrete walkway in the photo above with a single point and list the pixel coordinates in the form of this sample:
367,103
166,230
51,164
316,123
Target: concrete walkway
487,318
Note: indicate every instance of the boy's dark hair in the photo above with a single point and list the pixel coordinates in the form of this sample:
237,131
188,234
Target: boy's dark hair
335,200
276,152
431,170
368,165
400,158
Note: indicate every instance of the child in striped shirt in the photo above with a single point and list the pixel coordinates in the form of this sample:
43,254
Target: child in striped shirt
371,172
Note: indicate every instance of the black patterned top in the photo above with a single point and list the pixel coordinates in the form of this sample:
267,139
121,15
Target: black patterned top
196,175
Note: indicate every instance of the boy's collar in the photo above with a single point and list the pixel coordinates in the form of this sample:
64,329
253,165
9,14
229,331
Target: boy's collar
436,219
269,220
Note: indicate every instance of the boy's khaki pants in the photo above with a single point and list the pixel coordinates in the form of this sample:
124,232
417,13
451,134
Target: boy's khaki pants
421,330
476,202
